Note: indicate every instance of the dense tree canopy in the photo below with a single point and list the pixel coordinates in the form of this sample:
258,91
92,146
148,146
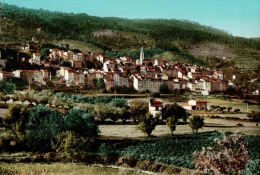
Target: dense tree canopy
127,34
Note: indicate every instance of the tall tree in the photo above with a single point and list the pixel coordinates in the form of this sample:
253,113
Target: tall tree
173,113
16,119
196,123
101,83
147,123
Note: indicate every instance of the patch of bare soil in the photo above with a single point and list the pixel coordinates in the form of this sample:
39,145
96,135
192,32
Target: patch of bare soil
211,50
106,32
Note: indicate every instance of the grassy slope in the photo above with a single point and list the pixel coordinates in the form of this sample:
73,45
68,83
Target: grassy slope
64,168
167,35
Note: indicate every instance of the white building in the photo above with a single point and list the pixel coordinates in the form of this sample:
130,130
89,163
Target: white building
156,107
142,84
120,80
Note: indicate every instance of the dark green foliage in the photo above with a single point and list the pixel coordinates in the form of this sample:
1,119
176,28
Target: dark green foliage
18,82
7,87
123,90
135,54
164,88
119,102
45,53
178,150
253,147
65,63
84,99
101,83
44,124
174,110
80,122
147,123
196,123
81,26
16,120
51,45
172,114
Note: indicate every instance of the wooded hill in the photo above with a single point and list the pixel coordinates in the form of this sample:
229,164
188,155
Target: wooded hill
118,36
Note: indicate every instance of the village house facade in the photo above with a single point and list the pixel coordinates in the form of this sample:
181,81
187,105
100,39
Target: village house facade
156,107
142,74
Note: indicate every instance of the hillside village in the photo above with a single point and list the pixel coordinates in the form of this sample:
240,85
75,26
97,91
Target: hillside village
72,68
83,94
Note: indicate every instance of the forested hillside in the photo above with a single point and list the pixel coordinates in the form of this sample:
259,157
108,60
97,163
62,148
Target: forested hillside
117,36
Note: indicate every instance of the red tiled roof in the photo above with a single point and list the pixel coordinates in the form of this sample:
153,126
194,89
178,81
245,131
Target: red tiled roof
201,101
188,105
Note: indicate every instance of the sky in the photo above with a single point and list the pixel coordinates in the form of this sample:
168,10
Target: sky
237,17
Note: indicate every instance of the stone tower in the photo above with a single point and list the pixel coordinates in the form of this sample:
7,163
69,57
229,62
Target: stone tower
0,26
141,56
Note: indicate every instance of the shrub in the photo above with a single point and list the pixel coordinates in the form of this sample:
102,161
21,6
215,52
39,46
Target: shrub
80,122
147,124
254,116
44,124
101,83
7,87
222,108
108,111
123,90
164,88
125,115
228,156
119,102
196,123
72,145
236,110
174,110
16,120
137,109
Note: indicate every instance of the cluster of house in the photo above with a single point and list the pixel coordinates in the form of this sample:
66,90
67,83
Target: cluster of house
70,68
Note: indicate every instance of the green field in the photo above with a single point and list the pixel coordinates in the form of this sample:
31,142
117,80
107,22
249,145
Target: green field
63,168
178,150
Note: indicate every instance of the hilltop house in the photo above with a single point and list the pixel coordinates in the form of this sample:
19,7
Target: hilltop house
196,105
156,107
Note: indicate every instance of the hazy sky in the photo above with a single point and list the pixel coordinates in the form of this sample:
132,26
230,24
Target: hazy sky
238,17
